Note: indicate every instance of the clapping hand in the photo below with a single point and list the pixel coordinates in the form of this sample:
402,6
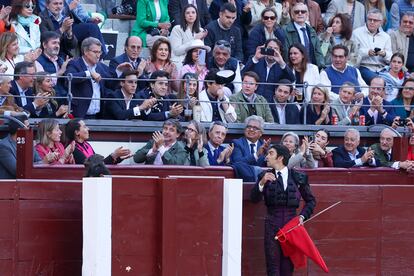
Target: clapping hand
121,153
158,140
263,149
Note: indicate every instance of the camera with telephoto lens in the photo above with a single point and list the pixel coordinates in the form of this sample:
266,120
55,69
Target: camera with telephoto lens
402,122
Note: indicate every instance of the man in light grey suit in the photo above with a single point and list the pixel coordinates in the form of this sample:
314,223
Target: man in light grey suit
343,106
8,150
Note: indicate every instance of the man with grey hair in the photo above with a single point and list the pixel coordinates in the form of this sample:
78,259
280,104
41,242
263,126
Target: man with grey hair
383,152
402,38
374,51
218,155
88,75
351,154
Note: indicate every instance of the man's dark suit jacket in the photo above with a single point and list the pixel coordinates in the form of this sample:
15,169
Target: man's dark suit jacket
116,109
14,90
210,155
113,64
154,115
382,156
380,120
275,74
291,114
82,87
341,158
176,7
241,152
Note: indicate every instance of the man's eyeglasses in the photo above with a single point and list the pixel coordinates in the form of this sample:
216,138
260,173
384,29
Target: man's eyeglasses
29,6
300,11
96,52
254,128
374,20
223,43
269,18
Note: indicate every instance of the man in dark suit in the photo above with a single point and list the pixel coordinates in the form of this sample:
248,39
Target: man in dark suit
270,68
176,8
164,149
165,106
383,152
127,106
375,108
218,155
22,88
284,112
282,189
88,82
8,150
129,60
351,154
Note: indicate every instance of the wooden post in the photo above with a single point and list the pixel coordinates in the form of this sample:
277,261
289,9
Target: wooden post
24,144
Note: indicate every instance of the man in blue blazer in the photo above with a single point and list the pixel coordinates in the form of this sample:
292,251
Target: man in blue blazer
284,112
88,73
270,68
351,154
375,108
218,155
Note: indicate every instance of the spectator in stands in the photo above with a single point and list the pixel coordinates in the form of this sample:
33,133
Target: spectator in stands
315,16
184,34
49,148
177,7
195,138
194,63
383,152
5,24
152,21
304,71
77,132
53,19
394,76
165,106
402,38
318,112
88,73
44,88
344,106
375,109
163,148
218,155
248,103
125,104
380,5
300,157
340,72
8,150
161,60
339,31
322,155
298,31
404,102
215,105
281,12
22,88
130,60
283,111
50,61
224,29
26,25
7,103
374,45
189,92
352,8
222,60
350,154
266,29
270,68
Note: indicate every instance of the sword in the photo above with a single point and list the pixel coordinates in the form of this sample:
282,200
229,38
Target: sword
318,214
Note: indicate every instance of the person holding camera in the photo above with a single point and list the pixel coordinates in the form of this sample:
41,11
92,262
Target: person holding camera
374,45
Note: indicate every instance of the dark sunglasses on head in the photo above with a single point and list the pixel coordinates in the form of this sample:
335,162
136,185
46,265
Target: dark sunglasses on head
223,43
29,6
269,17
300,11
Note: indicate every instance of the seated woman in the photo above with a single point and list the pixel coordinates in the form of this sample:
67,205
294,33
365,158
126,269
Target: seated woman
49,148
322,156
77,133
318,112
195,138
44,88
394,76
192,61
299,157
7,104
27,27
192,89
184,34
404,103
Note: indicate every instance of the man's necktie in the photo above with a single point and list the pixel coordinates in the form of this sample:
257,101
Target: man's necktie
252,149
389,157
279,180
306,39
215,154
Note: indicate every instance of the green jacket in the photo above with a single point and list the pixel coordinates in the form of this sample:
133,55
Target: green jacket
146,18
242,111
381,156
176,155
292,37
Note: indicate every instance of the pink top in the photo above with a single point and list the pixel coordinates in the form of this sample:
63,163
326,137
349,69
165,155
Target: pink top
43,150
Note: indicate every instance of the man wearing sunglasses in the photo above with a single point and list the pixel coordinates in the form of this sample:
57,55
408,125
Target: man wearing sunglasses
298,31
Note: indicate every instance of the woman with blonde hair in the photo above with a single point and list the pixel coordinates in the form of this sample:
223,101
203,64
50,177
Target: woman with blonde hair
49,148
318,111
195,138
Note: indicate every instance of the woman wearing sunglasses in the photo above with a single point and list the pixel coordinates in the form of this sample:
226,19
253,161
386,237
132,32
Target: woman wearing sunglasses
27,27
195,138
